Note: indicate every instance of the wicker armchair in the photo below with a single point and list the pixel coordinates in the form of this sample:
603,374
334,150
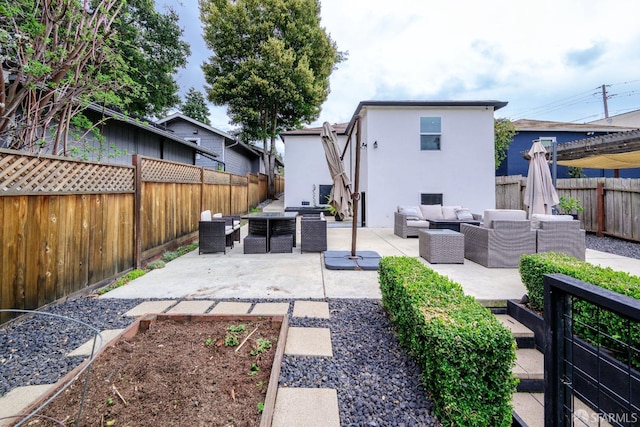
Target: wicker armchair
501,245
561,236
212,236
313,235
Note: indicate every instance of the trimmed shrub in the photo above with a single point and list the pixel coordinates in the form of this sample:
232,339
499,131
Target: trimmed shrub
466,354
534,267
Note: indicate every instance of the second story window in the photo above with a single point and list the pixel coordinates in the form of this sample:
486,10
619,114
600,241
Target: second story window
430,133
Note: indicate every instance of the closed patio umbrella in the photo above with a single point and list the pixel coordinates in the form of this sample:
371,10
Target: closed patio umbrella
539,195
340,197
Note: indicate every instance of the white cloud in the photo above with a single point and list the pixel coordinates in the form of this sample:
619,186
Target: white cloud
531,54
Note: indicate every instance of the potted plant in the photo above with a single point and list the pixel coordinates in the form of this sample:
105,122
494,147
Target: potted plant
333,211
570,206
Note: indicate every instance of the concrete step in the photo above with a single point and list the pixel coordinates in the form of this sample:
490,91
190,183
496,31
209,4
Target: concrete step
529,370
525,337
528,409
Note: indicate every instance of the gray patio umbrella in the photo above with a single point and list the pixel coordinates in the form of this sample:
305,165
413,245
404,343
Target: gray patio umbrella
340,197
539,195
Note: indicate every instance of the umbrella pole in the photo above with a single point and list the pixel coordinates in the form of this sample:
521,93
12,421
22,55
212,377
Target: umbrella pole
355,196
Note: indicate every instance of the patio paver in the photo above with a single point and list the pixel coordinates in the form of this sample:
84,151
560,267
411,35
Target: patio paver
18,399
306,407
150,307
230,307
196,306
315,309
85,349
271,308
309,342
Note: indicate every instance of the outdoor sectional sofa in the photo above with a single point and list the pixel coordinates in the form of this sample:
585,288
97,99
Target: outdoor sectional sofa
408,220
503,237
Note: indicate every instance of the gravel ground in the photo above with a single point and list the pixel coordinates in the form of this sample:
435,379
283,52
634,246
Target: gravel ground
377,383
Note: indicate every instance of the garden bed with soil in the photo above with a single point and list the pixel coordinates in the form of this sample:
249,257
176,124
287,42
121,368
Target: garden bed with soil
179,370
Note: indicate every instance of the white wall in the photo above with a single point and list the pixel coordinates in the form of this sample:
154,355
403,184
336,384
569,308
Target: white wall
306,166
398,171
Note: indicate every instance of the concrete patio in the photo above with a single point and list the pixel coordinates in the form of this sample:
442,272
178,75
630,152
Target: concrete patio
303,275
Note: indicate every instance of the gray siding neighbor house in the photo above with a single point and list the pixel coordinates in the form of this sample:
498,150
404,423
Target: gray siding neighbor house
123,136
233,156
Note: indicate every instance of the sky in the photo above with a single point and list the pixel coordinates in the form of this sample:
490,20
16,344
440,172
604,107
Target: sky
547,58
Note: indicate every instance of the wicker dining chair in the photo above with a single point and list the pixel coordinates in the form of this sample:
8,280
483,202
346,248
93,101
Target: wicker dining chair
313,235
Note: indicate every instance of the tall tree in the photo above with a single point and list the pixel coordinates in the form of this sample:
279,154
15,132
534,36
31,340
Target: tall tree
504,131
52,54
59,55
270,66
151,44
195,106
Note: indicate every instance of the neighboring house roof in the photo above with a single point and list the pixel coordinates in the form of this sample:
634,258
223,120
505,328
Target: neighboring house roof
614,151
630,118
149,128
544,125
180,116
365,104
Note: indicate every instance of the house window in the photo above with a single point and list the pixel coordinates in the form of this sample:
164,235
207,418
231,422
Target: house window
197,142
431,199
324,193
430,133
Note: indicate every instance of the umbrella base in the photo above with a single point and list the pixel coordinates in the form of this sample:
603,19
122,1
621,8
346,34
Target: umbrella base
342,260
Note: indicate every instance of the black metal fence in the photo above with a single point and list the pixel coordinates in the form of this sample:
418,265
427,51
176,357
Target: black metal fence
591,372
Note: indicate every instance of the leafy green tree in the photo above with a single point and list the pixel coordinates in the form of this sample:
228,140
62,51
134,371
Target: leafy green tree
151,45
58,56
504,131
195,106
270,66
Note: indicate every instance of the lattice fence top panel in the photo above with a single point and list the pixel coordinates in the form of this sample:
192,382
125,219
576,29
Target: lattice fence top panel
238,180
23,173
163,171
214,177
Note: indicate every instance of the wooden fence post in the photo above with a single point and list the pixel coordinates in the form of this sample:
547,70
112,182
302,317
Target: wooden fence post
601,215
137,220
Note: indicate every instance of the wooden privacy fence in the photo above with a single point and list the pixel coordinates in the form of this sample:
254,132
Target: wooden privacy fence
68,224
611,205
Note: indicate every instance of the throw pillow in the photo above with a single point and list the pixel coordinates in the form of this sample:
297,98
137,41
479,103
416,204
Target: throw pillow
412,212
449,212
431,211
464,214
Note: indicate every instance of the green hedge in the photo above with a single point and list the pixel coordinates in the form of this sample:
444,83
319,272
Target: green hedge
466,354
532,271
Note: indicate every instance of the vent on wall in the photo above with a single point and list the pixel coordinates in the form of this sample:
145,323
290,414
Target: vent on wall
431,199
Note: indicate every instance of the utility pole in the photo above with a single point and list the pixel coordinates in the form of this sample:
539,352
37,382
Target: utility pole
604,100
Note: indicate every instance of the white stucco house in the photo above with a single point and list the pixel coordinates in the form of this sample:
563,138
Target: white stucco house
411,152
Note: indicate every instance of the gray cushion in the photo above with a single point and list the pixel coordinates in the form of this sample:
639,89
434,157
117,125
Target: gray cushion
504,214
412,212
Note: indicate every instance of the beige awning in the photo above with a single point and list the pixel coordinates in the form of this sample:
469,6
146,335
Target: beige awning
620,150
627,160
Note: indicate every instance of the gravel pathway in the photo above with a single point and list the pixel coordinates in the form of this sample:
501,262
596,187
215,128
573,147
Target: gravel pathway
377,383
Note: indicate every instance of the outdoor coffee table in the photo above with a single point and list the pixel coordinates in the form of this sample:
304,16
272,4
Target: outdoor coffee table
441,246
438,224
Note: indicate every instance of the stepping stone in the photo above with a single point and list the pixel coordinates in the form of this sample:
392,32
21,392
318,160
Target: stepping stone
85,349
306,407
271,308
309,342
228,307
186,307
19,399
315,309
150,307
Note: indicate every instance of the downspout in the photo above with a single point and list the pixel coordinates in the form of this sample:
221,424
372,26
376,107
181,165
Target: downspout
224,149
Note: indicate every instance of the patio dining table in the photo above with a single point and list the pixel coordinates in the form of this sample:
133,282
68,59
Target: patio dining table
273,220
